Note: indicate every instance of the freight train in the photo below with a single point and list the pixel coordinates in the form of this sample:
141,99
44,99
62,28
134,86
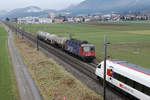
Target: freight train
79,48
129,78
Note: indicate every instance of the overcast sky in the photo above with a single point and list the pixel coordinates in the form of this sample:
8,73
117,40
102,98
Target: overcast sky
51,4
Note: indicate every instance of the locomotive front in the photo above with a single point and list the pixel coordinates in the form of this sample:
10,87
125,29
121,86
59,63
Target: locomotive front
87,51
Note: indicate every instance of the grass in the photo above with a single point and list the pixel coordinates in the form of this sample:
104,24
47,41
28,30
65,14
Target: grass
52,79
129,40
8,90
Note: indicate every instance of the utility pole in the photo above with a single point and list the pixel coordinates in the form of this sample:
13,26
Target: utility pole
22,32
105,57
37,42
16,28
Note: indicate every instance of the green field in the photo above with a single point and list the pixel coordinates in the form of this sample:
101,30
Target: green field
130,41
7,81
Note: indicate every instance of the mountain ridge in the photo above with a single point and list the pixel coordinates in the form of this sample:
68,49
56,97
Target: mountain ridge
109,6
86,7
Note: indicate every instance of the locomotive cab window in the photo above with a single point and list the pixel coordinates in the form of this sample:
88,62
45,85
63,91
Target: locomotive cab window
86,48
99,66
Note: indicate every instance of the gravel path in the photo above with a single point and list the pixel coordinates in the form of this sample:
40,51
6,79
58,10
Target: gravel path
25,84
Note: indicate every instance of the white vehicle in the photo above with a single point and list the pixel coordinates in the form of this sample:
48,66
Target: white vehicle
130,78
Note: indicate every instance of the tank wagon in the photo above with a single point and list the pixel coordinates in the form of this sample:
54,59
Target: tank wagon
43,35
61,41
129,78
52,39
79,48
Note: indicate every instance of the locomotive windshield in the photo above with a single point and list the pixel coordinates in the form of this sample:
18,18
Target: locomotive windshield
86,48
89,49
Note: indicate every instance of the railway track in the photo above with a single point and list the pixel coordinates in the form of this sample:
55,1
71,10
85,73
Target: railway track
87,69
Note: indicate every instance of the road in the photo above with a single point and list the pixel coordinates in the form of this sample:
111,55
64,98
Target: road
26,86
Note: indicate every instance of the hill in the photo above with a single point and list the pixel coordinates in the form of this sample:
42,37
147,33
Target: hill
27,11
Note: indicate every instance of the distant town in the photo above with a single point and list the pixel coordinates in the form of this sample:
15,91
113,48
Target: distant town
51,18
